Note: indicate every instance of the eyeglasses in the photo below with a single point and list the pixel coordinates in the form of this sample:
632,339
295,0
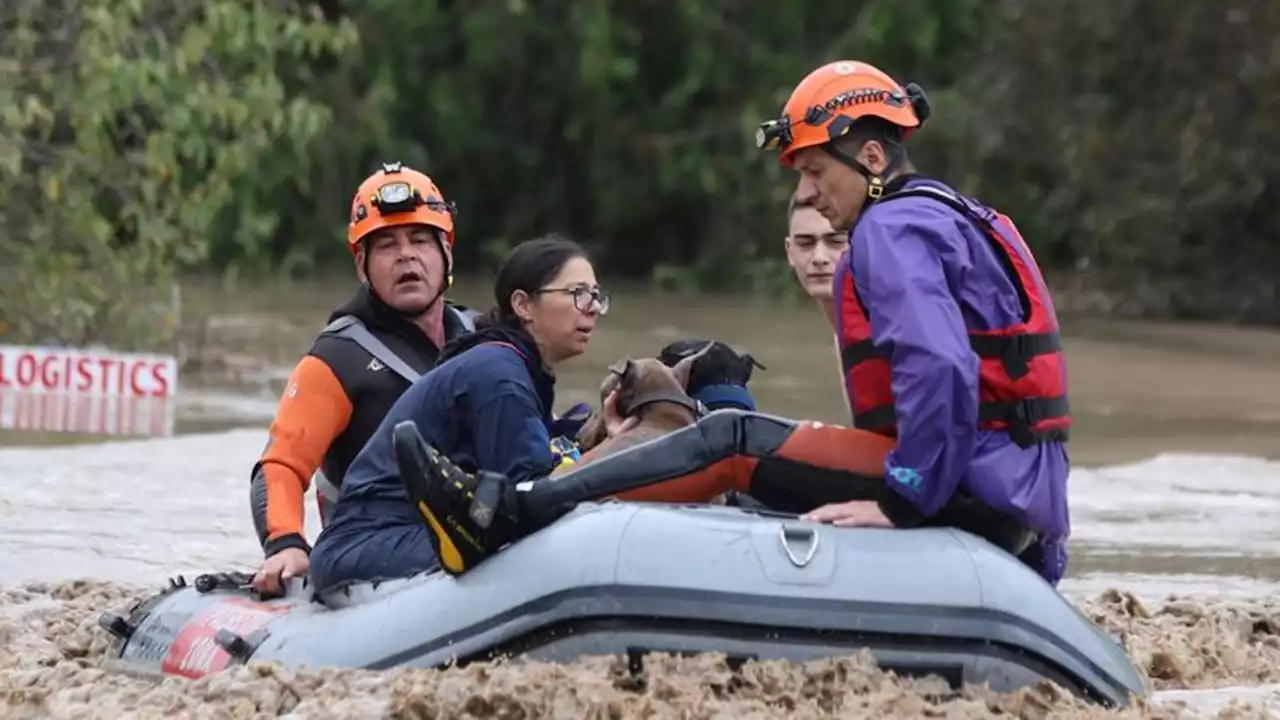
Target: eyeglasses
583,298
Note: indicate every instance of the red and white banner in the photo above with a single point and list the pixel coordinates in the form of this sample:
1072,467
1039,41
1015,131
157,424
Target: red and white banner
87,391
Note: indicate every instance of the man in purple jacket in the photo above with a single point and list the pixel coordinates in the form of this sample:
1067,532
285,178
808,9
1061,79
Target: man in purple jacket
952,363
948,336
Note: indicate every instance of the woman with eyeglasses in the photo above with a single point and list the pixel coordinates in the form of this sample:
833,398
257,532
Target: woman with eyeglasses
487,405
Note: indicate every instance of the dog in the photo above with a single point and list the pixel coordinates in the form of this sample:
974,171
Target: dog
648,390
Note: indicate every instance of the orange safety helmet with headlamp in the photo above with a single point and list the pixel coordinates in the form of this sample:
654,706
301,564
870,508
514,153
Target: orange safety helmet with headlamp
827,103
397,195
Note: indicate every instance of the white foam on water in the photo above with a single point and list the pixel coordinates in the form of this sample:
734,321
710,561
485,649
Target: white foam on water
1210,703
1220,506
1154,587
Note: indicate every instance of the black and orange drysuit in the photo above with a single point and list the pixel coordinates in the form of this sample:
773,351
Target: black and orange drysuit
334,400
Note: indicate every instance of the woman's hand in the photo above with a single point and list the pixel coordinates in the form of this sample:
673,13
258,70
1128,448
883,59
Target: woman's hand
614,423
855,513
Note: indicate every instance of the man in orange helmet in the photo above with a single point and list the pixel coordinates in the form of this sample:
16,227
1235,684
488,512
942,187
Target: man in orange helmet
948,336
953,367
401,235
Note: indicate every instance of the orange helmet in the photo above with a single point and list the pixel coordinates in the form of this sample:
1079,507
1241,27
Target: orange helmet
827,102
397,195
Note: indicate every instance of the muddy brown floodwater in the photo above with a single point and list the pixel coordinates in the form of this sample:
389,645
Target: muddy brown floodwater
1177,533
52,647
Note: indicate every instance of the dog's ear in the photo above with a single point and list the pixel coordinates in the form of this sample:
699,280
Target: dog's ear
684,367
631,382
619,373
623,368
611,383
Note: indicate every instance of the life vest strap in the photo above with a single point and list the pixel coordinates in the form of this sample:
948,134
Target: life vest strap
945,197
1016,350
1024,415
878,419
860,352
1030,412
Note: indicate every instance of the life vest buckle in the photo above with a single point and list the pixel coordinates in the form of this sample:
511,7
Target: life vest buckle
1020,426
1017,357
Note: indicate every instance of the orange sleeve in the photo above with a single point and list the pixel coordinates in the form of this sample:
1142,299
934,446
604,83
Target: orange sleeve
313,411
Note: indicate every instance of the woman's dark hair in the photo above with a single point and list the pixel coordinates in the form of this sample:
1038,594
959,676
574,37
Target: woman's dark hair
529,267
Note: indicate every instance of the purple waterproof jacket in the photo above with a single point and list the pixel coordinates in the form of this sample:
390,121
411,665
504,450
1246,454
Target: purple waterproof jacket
925,273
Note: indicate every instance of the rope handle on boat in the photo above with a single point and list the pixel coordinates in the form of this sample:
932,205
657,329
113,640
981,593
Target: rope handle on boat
209,582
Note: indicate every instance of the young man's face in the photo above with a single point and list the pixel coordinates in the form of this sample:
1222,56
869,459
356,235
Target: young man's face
813,247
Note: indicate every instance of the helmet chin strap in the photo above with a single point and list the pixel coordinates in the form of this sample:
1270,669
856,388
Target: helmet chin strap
875,183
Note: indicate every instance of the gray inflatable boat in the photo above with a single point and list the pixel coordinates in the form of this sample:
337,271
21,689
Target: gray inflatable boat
630,579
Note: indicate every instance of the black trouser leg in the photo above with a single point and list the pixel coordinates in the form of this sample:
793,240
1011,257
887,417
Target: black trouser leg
782,463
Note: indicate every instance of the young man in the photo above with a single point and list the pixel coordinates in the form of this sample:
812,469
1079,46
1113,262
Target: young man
813,248
948,335
400,234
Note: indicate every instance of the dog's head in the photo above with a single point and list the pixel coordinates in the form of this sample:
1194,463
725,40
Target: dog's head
634,380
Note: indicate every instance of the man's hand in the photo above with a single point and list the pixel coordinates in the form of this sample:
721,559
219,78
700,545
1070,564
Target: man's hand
614,423
276,571
855,513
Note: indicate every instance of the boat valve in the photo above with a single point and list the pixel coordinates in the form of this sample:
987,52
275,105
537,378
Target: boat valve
236,646
116,625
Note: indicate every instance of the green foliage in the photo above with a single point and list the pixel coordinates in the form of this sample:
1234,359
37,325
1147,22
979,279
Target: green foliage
627,125
1136,139
128,127
1131,140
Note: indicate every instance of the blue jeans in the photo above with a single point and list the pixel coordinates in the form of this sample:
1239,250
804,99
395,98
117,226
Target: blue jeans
376,550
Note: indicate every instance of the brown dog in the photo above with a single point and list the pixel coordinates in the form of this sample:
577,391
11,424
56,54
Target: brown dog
649,390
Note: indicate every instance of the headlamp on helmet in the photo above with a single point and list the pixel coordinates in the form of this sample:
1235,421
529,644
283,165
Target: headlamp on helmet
401,197
774,134
395,197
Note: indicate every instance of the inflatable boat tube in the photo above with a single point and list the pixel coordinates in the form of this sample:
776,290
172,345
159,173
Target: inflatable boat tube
631,578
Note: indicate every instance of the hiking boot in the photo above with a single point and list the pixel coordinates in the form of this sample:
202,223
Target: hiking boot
468,516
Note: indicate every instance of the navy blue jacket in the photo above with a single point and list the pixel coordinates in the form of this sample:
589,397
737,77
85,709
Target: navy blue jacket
487,406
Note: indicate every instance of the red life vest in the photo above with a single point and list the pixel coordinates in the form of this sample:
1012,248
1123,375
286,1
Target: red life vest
1022,384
